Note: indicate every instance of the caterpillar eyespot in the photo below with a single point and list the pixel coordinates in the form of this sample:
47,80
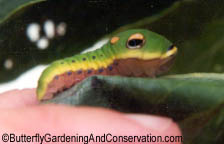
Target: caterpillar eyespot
135,41
133,53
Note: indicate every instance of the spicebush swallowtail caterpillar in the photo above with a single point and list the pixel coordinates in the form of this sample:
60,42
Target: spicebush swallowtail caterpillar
135,53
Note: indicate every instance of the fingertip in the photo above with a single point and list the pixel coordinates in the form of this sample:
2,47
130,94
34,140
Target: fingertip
57,119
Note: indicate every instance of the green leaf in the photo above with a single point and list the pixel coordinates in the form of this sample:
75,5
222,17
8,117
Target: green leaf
10,7
195,101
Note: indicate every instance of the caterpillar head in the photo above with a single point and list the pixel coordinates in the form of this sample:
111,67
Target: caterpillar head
142,44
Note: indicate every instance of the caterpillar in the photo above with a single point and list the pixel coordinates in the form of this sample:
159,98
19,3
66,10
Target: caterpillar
135,53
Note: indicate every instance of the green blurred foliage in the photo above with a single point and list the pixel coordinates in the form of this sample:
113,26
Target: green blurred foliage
197,29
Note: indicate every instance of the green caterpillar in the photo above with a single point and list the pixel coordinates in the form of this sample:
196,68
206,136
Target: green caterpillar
137,53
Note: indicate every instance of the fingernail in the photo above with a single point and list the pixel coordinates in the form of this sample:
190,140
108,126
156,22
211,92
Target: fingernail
156,123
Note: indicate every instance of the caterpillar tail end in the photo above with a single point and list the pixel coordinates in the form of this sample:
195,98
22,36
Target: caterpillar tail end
43,82
40,92
42,86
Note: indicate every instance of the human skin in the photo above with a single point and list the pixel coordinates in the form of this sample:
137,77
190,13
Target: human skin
21,113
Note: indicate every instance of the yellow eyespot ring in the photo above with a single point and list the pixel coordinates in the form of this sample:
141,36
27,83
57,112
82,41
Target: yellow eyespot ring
135,41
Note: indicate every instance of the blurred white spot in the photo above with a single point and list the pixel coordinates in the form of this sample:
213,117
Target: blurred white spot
8,64
97,45
33,32
49,28
61,29
43,43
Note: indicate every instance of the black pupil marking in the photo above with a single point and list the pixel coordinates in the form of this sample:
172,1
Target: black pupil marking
171,47
135,43
84,59
100,70
73,61
94,57
89,71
